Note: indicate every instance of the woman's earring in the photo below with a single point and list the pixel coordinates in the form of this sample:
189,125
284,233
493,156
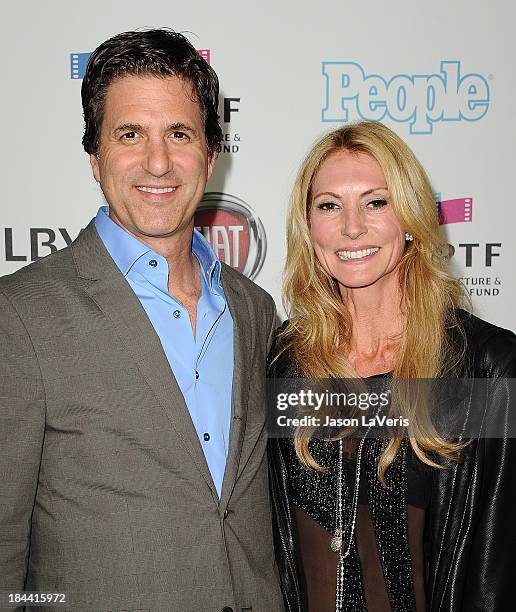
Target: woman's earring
409,237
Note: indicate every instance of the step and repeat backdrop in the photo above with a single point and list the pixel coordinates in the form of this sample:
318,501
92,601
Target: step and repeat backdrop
440,74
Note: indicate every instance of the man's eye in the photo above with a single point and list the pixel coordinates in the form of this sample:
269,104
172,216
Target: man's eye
376,204
129,136
179,136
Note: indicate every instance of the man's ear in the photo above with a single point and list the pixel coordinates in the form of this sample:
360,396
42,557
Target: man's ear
95,167
212,158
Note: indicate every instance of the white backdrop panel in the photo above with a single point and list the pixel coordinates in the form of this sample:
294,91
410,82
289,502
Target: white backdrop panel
270,55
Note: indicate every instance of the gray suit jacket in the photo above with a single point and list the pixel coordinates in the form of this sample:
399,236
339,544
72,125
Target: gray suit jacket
105,492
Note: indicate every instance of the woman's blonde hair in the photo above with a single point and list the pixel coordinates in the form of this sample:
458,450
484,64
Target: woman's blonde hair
319,331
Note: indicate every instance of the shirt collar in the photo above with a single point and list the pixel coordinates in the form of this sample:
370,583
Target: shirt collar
210,265
125,249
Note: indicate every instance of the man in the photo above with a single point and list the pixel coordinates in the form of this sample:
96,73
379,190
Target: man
132,370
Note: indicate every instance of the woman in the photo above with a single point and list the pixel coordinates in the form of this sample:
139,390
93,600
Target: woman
409,523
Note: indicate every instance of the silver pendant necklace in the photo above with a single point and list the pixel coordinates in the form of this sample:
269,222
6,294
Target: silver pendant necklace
336,541
338,537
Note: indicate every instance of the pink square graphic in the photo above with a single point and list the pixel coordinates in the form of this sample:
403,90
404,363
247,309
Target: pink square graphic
205,54
459,210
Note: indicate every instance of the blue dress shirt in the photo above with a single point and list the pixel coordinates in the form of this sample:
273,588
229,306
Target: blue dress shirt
202,364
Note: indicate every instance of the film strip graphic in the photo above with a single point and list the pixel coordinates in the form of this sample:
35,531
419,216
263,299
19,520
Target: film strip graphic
79,61
459,210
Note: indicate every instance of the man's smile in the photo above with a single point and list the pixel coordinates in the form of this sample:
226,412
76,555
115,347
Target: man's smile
156,189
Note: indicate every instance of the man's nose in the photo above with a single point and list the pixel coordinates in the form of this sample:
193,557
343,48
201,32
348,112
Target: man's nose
158,158
353,223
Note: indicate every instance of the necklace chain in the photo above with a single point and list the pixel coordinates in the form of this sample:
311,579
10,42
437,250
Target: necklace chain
338,539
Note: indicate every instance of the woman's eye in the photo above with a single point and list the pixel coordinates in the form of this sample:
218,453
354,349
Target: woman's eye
376,204
327,206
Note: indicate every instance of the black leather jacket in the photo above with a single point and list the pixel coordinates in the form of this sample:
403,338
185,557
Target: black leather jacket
470,526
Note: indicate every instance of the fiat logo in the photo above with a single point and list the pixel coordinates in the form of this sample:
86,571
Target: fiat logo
233,230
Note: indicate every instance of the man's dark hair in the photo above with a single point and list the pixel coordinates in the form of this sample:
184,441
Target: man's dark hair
161,53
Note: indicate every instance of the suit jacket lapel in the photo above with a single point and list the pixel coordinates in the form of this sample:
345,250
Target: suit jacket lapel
244,329
106,285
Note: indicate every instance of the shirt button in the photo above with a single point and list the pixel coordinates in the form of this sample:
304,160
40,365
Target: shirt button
176,314
226,512
153,263
206,437
196,375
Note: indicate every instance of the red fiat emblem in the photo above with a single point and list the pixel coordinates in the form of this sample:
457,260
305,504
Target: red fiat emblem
233,230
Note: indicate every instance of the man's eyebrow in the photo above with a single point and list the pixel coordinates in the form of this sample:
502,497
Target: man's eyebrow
129,127
182,127
138,127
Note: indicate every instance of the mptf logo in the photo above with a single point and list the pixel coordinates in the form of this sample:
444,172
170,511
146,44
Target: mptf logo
418,99
233,230
460,210
231,138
